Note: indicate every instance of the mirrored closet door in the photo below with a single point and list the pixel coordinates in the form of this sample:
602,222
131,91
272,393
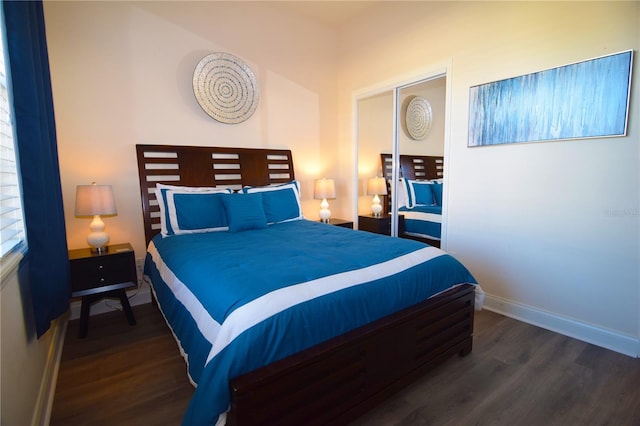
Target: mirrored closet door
401,133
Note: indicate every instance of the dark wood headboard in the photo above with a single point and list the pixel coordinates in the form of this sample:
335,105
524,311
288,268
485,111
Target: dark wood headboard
421,167
205,166
418,167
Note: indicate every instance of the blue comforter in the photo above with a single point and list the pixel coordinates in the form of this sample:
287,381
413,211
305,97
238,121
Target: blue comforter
423,221
238,301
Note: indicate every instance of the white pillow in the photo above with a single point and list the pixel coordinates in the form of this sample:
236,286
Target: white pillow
402,193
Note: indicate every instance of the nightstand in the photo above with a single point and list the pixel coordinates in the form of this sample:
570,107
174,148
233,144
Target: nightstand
380,224
341,222
95,276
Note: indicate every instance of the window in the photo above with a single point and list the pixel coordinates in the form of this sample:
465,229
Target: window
11,219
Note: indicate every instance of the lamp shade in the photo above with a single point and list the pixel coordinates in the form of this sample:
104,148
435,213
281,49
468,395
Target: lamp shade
324,189
376,186
94,200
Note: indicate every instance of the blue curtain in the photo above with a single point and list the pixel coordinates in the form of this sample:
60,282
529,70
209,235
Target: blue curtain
45,264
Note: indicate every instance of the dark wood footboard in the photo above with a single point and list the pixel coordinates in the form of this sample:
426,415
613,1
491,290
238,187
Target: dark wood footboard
344,377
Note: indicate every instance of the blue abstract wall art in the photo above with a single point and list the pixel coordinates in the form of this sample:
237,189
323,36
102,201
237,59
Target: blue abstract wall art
583,100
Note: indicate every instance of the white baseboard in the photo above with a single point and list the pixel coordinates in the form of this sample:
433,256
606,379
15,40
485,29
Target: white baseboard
618,342
138,296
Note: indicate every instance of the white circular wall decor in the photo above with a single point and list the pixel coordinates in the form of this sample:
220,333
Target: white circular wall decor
226,88
418,118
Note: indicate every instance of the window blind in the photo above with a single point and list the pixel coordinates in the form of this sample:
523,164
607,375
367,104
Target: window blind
11,217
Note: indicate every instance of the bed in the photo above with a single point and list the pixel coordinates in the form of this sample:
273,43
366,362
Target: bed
419,195
331,327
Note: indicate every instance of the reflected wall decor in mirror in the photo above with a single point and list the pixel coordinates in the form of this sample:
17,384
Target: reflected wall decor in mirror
418,117
409,147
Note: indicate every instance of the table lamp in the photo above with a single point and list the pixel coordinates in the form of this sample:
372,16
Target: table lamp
376,186
324,189
96,200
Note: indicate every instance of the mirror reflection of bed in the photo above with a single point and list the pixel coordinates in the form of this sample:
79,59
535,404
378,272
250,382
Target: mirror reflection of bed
419,196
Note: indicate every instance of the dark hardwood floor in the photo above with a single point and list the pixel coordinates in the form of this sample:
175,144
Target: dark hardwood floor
121,374
517,374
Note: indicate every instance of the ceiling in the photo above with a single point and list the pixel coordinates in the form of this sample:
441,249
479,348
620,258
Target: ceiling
332,13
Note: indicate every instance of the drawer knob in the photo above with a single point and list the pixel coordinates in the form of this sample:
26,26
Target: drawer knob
100,267
101,280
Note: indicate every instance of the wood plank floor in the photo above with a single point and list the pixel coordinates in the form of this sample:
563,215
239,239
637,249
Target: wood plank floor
517,374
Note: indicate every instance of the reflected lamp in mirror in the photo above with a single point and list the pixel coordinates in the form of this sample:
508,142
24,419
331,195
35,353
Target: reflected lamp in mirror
96,200
324,189
376,186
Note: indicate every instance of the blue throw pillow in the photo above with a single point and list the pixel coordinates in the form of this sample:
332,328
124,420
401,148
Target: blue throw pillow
281,202
418,193
423,193
196,211
245,212
163,203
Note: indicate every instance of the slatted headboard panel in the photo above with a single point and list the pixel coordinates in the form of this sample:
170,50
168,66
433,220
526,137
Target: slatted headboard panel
205,166
418,167
421,167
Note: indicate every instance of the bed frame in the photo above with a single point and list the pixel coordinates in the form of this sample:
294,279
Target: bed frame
342,378
417,167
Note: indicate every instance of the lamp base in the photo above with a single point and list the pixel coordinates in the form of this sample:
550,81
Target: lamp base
97,239
376,207
325,213
100,250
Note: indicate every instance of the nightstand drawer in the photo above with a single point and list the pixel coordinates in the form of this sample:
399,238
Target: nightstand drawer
91,273
95,276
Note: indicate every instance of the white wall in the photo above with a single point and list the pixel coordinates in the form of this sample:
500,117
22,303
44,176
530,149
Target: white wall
28,364
551,230
122,74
